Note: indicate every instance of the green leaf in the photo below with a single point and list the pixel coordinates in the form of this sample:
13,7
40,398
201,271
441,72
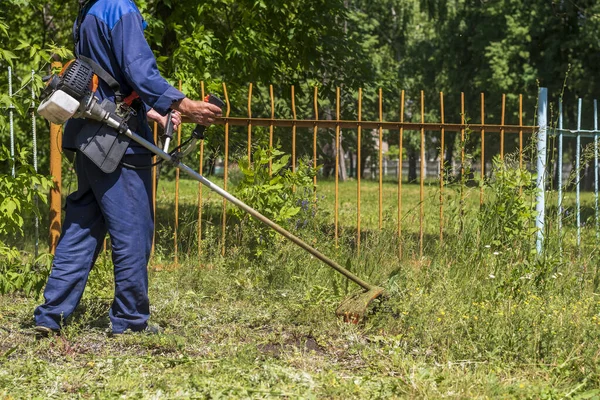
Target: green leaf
591,394
23,45
8,56
277,166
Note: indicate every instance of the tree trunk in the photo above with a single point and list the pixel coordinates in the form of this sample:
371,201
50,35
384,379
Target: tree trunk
588,176
363,164
412,165
449,151
555,171
343,174
573,148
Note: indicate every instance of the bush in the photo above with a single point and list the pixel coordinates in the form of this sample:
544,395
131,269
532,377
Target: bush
17,198
280,194
507,219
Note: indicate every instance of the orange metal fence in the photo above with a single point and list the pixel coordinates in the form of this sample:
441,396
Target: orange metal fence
359,125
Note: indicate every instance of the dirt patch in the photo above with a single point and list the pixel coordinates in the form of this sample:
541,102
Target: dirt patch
304,344
270,349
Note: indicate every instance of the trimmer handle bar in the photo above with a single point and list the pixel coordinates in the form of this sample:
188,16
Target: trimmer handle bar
198,132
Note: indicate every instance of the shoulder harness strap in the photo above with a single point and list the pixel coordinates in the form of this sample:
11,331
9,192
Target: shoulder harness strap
98,70
105,76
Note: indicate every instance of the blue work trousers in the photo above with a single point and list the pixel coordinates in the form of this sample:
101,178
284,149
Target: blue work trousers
120,203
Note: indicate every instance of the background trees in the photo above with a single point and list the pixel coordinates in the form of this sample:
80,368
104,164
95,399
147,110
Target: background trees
498,46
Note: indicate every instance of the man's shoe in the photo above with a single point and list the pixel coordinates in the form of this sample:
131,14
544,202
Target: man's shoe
148,330
152,330
44,331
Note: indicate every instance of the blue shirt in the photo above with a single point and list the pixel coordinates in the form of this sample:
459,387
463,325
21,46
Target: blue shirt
112,34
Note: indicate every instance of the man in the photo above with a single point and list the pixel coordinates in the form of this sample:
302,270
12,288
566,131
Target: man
110,33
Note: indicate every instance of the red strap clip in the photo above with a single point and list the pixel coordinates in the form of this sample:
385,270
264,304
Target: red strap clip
131,98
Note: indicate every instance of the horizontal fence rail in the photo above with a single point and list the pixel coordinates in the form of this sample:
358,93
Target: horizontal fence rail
344,124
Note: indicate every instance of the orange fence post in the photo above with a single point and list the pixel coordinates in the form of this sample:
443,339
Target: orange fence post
400,160
442,146
520,137
502,130
462,157
55,192
380,159
55,199
294,132
482,148
225,173
154,176
422,192
177,196
337,163
201,171
249,123
315,132
358,169
271,127
521,131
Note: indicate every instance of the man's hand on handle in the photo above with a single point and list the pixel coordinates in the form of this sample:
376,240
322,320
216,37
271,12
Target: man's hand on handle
198,112
162,120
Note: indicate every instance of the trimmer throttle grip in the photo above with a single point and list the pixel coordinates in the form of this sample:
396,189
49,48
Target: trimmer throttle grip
198,132
169,125
168,131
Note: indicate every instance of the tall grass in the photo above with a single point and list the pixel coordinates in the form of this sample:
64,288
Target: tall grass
483,295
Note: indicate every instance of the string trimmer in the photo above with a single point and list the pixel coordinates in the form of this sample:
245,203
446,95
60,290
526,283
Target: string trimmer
352,309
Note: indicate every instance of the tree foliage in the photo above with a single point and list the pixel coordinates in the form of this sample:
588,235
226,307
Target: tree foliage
498,46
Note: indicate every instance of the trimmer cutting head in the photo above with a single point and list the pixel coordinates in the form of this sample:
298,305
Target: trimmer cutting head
354,308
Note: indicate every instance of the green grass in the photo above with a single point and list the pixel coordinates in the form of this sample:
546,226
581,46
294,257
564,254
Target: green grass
348,210
465,321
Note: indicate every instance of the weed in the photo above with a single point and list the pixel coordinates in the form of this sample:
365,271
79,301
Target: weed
272,189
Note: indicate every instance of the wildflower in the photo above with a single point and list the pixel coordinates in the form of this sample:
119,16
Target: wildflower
496,253
304,205
492,276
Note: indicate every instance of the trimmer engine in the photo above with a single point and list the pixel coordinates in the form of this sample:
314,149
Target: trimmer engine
68,93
